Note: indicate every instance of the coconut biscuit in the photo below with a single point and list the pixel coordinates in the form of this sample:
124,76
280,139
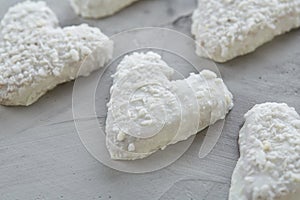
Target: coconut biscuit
269,165
225,29
36,54
98,8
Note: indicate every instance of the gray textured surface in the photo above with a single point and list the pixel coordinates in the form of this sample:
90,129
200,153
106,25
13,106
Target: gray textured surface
41,156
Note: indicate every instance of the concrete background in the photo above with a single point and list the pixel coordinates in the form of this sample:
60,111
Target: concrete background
41,156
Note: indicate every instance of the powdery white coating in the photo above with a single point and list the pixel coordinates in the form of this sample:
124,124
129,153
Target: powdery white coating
98,8
269,163
150,111
36,54
225,29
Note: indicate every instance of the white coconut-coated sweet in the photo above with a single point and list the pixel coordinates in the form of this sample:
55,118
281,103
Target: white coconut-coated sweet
36,54
98,8
148,111
269,163
225,29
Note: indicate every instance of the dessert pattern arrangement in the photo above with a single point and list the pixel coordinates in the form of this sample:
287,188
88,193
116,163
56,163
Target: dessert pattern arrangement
147,109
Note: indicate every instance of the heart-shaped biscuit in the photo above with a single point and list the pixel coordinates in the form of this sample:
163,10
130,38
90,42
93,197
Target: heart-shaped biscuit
225,29
98,8
269,163
36,54
147,111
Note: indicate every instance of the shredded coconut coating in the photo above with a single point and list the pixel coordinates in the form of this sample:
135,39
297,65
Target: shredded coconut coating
225,29
269,164
36,54
99,8
145,101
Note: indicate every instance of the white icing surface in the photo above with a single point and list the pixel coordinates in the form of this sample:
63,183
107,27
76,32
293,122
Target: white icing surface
153,111
36,54
98,8
269,164
225,29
